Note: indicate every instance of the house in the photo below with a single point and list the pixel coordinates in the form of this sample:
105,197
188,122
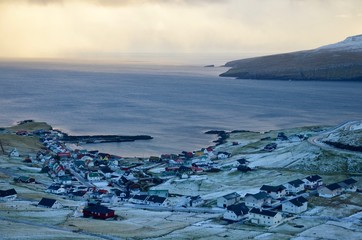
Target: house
228,200
98,212
294,186
160,193
242,161
265,217
8,195
155,200
138,199
349,185
330,190
65,180
155,159
236,212
257,200
24,179
49,203
295,205
14,153
313,182
79,195
106,171
194,201
270,147
55,189
93,176
223,155
275,192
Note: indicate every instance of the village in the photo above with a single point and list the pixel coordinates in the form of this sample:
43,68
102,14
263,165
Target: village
102,182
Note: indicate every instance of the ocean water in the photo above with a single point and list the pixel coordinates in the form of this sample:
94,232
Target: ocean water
173,104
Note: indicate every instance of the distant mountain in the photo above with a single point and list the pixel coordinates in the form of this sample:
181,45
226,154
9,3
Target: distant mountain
339,61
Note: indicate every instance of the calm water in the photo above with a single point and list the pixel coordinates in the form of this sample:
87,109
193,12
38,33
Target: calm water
174,104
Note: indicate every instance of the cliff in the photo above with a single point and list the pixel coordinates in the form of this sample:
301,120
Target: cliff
339,61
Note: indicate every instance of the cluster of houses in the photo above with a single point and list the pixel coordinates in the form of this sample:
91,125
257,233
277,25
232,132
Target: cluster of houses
101,178
97,177
271,204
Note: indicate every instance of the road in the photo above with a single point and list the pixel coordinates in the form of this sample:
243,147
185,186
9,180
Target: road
318,140
80,178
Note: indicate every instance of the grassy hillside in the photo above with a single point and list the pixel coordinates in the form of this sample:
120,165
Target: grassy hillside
319,64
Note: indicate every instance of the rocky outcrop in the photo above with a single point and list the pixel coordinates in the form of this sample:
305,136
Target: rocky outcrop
104,138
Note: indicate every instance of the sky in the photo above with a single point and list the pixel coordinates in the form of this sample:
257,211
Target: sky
117,28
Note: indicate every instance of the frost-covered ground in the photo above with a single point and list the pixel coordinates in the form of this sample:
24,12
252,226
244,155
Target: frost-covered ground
292,159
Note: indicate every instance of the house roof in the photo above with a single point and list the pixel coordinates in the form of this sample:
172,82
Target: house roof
231,195
238,209
333,186
269,188
313,178
193,198
263,212
296,183
93,174
79,193
242,161
47,202
156,199
258,196
299,201
54,187
9,192
349,181
98,209
140,197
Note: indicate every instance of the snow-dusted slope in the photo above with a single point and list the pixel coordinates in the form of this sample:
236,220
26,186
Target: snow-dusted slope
350,44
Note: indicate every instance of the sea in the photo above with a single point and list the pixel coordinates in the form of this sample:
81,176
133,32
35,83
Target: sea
175,104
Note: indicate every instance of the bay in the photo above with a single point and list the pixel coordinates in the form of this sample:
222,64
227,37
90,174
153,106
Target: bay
175,104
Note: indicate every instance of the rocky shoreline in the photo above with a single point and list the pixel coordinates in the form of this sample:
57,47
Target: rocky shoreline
103,138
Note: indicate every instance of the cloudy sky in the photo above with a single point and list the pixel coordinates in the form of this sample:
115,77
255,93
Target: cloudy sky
110,28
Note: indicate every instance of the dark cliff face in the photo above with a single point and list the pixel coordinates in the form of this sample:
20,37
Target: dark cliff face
341,61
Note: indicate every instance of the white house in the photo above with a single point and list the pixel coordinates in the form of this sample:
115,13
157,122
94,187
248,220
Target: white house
330,190
155,200
236,212
138,199
65,180
313,182
223,155
349,185
14,153
294,186
275,192
228,200
257,200
49,203
195,201
93,176
8,195
55,189
265,217
295,205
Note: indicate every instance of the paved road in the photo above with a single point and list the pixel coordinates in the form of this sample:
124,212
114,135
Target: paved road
80,178
317,140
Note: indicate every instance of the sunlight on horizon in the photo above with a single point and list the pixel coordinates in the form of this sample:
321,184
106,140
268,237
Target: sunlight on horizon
80,29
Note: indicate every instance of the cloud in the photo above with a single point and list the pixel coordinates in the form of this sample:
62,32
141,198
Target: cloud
116,3
73,28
